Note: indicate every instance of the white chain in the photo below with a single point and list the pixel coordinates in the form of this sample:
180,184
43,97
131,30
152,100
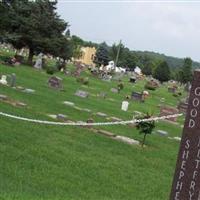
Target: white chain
88,124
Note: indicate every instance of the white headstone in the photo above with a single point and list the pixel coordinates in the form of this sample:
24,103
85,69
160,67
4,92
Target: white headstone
125,105
38,63
3,80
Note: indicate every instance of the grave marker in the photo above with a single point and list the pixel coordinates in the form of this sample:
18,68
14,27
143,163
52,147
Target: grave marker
124,106
172,89
81,93
166,110
137,96
182,106
55,82
3,80
186,183
114,90
103,94
38,63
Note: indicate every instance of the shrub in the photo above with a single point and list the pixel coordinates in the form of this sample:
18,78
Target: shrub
120,86
82,80
50,70
19,58
175,95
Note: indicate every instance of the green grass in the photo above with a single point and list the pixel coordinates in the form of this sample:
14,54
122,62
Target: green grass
43,162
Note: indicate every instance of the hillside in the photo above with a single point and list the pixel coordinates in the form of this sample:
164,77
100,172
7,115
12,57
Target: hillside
173,62
46,162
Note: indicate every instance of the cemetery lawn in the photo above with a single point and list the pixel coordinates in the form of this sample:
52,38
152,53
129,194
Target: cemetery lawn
45,162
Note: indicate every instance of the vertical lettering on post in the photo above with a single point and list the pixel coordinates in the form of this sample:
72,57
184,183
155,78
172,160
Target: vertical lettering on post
186,183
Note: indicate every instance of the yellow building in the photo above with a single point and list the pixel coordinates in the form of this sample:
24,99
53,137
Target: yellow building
87,56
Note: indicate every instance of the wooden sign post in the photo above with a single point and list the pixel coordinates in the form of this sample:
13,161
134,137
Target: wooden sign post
186,183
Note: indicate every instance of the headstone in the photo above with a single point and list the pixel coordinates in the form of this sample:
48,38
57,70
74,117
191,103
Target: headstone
162,100
81,93
114,90
78,108
106,77
55,82
124,105
67,73
166,110
86,110
79,69
3,97
12,80
21,104
127,140
101,114
20,88
172,89
69,103
27,90
114,119
103,94
182,106
152,83
162,133
137,96
61,117
177,138
132,79
38,63
53,116
186,183
90,120
3,80
187,87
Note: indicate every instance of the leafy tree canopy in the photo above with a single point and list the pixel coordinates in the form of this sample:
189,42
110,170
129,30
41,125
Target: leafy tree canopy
162,72
35,25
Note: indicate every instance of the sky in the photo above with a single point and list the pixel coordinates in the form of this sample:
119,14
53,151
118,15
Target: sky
170,27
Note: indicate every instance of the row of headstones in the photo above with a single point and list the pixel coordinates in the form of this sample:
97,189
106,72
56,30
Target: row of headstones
55,82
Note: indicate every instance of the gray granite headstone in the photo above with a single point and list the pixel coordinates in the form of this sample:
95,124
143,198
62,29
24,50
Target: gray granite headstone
137,96
55,82
186,183
81,93
103,94
12,80
172,90
114,90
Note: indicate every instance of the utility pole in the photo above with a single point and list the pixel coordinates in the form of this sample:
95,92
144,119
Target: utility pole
118,51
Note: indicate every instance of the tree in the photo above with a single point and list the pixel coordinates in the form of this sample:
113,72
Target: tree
147,70
77,43
186,71
126,57
129,60
102,55
35,25
67,33
145,127
113,51
162,72
4,19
